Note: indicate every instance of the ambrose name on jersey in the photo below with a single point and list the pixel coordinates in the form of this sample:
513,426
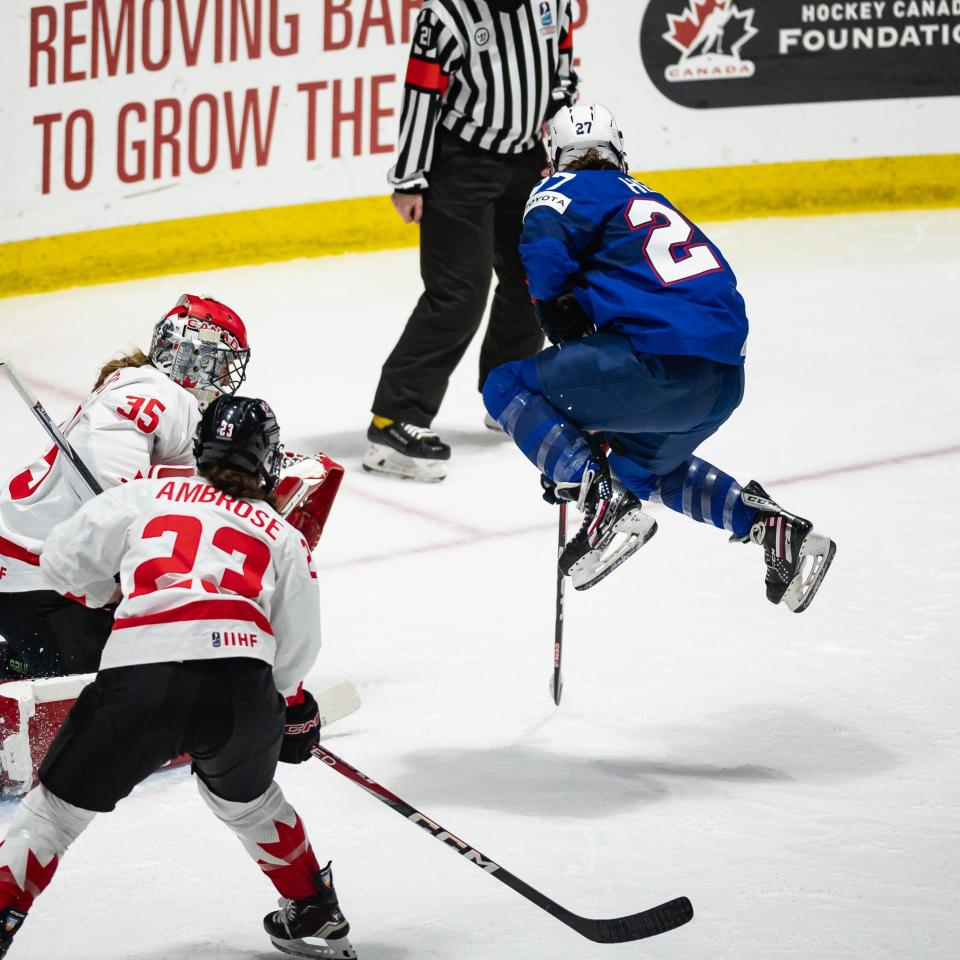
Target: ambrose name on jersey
202,492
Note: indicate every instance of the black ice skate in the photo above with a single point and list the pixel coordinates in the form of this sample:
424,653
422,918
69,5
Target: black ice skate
312,927
10,922
613,529
403,450
797,559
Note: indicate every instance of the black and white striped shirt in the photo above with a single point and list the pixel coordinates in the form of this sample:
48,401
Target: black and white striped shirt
490,71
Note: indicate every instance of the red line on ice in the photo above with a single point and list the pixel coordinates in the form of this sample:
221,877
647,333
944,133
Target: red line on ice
481,536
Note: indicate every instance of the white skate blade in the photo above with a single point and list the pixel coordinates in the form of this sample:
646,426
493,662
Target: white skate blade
314,947
337,702
816,555
629,534
391,463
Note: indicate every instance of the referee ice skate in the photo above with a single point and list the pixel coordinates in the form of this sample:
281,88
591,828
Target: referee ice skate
482,78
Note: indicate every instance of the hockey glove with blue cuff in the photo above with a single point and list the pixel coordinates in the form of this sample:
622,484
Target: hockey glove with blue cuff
301,729
563,319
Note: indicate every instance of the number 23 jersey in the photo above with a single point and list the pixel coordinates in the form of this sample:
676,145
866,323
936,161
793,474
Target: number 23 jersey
636,265
203,576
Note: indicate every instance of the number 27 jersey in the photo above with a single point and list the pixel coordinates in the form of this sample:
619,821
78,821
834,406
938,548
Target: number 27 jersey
636,265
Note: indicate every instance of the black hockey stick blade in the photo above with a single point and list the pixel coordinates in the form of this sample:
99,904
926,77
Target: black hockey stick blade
637,926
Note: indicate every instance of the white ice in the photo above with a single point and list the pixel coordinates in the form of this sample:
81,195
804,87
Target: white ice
795,776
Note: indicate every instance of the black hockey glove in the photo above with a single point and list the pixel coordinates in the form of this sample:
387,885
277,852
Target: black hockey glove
563,319
301,730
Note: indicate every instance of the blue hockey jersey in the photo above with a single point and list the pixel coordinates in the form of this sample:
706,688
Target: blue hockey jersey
635,265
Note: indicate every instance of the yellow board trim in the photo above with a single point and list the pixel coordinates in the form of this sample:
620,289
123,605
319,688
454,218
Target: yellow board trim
196,244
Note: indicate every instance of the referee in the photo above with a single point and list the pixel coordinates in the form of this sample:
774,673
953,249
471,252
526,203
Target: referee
482,78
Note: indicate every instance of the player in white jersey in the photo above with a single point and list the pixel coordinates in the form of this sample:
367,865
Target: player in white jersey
139,421
219,621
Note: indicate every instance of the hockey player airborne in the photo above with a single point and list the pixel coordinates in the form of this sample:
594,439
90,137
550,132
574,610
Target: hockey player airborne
650,337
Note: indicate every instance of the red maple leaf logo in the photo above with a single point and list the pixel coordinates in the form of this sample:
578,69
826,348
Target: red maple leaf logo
291,843
36,879
684,29
294,876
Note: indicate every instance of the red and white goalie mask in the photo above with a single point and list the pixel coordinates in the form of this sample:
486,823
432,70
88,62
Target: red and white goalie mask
201,344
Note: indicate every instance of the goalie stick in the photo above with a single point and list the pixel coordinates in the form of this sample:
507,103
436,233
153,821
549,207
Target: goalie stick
636,926
52,430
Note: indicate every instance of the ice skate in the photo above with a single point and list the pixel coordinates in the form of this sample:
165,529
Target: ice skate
312,927
491,424
613,529
797,559
10,922
405,451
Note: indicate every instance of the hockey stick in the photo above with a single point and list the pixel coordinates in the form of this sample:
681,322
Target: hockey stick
637,926
52,430
556,682
337,702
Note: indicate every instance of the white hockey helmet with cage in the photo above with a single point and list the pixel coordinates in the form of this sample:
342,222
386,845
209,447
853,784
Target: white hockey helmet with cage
201,344
575,130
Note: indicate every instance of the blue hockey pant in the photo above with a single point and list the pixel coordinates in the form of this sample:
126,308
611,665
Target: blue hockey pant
654,411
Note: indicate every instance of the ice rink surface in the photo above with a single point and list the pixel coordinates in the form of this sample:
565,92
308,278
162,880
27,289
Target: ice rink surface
795,776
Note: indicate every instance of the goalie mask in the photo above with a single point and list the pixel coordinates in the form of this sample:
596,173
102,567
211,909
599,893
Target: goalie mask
201,344
240,433
575,130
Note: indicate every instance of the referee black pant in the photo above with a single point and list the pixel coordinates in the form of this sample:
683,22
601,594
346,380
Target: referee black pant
472,215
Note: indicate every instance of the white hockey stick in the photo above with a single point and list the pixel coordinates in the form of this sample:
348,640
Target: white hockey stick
79,468
337,702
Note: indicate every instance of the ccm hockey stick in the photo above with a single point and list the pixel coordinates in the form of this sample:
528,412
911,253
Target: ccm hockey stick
556,681
52,430
637,926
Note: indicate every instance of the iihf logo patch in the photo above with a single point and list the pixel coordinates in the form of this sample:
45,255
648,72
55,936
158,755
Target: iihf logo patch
547,26
215,637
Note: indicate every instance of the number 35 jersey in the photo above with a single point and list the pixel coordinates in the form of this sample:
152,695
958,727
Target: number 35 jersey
636,265
136,419
203,575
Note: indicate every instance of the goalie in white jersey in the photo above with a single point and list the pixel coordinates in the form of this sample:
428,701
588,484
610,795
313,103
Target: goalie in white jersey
219,621
139,422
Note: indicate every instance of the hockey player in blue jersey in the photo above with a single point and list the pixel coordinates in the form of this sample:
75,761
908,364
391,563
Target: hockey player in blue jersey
649,335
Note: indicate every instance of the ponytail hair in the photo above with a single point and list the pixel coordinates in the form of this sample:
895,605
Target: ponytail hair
590,159
236,483
135,359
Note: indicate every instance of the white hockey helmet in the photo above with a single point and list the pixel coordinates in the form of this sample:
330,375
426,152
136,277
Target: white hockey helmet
201,344
574,130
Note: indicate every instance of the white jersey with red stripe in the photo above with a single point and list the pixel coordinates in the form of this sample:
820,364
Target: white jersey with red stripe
204,576
137,418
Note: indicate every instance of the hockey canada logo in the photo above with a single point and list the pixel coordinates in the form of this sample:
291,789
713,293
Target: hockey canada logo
709,35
